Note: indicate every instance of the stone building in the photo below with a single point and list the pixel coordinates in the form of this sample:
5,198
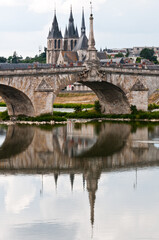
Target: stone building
59,46
54,42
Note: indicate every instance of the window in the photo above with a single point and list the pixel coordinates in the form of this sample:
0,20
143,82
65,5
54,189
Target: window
55,43
71,44
50,44
65,45
59,44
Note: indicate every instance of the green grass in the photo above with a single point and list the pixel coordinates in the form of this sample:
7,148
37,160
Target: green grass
4,116
72,105
153,106
94,115
91,114
2,104
62,105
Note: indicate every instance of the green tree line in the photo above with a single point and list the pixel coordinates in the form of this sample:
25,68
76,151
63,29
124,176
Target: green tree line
41,58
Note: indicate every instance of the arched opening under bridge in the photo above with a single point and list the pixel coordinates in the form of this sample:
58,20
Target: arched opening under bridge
18,103
112,98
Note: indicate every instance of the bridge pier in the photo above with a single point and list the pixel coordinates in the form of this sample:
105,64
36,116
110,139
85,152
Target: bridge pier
43,103
139,96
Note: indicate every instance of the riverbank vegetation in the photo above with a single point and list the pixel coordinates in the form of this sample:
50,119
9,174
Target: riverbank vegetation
62,105
81,112
72,105
153,106
97,107
91,114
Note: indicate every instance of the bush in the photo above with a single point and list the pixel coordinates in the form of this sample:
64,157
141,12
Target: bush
153,106
78,108
4,116
133,109
2,104
97,106
42,118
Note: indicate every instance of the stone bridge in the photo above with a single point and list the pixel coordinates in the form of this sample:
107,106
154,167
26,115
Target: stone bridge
32,92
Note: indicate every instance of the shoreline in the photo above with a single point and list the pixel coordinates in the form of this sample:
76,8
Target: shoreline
8,123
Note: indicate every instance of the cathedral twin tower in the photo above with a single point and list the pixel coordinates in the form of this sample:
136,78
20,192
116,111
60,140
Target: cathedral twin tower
71,43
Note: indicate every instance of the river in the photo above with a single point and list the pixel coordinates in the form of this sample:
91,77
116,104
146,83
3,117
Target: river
79,181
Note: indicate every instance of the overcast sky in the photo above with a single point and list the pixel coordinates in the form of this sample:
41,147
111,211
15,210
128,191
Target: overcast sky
24,24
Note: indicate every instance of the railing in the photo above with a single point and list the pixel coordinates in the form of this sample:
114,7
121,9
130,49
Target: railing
25,66
130,66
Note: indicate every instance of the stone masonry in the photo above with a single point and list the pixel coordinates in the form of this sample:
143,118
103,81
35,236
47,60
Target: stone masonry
32,92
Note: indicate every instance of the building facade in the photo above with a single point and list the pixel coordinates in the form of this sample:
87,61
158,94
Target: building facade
59,48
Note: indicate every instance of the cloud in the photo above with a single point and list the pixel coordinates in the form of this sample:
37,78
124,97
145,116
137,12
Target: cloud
17,198
10,3
62,6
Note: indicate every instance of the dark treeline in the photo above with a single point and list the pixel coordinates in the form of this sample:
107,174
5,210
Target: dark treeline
41,58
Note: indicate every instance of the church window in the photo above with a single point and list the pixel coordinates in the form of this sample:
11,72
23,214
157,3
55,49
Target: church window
49,44
71,45
65,45
59,43
55,43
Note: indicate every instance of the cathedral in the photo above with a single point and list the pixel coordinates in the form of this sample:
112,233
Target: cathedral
68,49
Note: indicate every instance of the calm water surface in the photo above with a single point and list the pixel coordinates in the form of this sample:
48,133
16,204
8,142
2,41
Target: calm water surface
79,182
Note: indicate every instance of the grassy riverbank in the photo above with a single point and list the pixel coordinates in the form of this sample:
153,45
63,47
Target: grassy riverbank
91,114
63,105
2,104
72,105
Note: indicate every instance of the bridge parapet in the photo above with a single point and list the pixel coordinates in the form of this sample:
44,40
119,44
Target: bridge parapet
44,71
131,71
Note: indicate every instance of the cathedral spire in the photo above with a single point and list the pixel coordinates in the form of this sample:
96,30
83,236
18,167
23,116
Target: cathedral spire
83,27
71,27
76,33
91,41
71,15
55,32
66,33
92,52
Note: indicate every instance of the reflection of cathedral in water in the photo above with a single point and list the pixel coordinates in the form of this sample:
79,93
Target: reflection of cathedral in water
74,139
86,149
75,146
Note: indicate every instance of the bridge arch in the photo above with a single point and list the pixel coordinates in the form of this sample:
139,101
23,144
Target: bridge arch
18,103
111,97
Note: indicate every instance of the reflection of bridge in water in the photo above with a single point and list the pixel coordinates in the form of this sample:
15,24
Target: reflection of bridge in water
78,149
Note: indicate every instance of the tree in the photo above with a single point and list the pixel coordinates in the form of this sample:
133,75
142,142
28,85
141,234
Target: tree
127,53
3,60
119,55
41,58
138,60
15,58
148,54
